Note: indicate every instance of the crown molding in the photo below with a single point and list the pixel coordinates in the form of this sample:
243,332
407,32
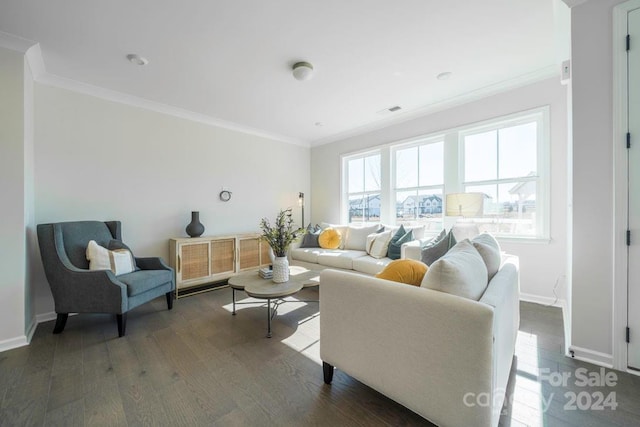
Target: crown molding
36,64
135,101
11,42
33,55
572,3
493,89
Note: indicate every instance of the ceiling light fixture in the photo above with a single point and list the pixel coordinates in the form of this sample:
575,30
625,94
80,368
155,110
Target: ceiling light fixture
302,71
444,76
137,59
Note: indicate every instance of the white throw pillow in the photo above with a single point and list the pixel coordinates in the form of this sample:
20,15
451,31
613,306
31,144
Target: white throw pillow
489,249
357,237
119,261
378,244
461,271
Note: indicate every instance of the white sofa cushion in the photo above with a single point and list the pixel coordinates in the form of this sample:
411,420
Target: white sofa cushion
370,265
339,258
357,237
306,254
461,271
418,230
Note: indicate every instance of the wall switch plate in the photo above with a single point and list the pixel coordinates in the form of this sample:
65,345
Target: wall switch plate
565,72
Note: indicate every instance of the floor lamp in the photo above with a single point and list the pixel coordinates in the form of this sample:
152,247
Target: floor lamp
301,204
465,205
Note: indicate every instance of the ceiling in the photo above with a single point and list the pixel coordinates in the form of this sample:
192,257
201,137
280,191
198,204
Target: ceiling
230,61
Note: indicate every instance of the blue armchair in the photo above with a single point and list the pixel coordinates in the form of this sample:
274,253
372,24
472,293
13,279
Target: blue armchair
76,289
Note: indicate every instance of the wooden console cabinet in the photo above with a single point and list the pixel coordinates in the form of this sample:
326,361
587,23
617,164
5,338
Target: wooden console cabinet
199,261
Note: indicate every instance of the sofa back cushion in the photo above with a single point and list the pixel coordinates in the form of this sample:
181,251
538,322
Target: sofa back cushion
461,272
356,238
489,249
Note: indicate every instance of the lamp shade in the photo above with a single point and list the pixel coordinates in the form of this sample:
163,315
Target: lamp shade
465,204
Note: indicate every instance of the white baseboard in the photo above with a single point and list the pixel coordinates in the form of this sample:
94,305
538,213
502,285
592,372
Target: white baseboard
591,356
543,300
45,317
31,329
12,343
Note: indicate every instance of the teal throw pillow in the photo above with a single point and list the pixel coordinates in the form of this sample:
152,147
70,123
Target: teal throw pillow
394,247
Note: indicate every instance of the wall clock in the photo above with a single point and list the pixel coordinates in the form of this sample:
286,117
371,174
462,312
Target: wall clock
225,195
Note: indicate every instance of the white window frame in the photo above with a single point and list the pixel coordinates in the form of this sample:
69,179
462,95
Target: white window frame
454,170
416,142
344,202
541,117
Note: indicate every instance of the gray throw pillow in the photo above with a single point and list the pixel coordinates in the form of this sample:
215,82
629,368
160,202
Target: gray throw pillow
119,244
310,238
435,249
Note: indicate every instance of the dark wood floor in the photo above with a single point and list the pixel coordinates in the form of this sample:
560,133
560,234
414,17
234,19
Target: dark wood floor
198,365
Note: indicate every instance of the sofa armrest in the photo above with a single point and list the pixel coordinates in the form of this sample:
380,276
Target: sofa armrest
413,249
503,294
422,348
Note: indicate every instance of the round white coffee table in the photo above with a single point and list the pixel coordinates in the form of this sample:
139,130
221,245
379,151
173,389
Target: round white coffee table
257,287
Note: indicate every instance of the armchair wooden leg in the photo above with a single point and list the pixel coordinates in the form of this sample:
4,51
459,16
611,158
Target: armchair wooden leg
169,300
122,323
327,370
61,322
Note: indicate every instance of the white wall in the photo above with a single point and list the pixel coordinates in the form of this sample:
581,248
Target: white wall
12,197
541,264
102,160
593,233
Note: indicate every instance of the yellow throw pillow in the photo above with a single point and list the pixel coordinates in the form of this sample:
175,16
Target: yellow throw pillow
330,238
409,271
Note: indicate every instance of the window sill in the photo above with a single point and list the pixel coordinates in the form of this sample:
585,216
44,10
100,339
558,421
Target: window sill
524,240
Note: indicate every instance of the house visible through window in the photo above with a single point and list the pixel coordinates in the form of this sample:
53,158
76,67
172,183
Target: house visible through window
419,184
363,188
506,159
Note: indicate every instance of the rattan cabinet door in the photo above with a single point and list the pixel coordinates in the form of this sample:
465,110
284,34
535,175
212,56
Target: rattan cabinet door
193,261
223,256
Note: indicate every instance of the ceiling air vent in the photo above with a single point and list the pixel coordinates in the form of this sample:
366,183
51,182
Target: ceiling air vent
390,110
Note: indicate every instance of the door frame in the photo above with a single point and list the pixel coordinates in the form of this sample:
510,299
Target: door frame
620,185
